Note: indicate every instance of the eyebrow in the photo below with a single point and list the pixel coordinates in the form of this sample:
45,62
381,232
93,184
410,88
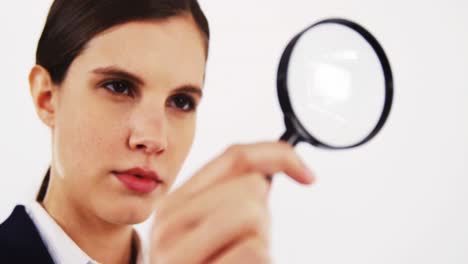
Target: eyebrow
190,89
121,73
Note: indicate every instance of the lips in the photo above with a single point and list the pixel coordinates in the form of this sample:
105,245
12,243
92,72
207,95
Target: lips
139,180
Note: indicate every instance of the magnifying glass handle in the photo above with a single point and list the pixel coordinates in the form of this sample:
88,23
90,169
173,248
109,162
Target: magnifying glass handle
291,137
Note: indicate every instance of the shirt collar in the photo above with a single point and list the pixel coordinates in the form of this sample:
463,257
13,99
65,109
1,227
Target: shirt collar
61,247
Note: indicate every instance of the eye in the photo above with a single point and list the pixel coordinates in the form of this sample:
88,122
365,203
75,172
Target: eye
183,102
119,87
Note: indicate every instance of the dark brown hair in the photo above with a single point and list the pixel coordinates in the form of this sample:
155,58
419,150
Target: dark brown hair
71,24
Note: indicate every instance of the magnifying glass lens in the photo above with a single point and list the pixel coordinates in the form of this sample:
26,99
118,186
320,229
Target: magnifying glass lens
336,84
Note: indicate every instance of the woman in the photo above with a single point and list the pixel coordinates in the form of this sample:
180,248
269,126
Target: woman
118,83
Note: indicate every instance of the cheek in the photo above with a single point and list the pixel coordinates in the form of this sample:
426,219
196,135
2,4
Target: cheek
181,137
83,139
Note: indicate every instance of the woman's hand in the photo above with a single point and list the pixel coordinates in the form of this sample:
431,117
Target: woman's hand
221,215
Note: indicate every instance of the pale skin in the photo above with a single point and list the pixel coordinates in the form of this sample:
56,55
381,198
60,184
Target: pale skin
99,126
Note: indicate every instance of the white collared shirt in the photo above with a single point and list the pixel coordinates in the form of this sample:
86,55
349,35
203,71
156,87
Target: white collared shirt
60,246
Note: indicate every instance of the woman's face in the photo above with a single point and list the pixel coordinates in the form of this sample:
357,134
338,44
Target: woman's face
128,101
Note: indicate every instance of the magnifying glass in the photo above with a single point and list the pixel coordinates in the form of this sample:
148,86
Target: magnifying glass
335,86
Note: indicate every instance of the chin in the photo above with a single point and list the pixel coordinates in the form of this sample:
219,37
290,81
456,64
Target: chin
127,213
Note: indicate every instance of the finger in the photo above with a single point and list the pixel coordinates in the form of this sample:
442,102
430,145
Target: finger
249,251
172,223
224,227
265,158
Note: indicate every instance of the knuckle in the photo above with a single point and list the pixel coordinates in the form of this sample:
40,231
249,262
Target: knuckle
233,149
238,155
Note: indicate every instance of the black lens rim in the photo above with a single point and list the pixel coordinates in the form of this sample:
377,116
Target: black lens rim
295,130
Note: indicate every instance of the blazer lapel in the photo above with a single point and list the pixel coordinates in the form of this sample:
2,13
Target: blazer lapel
20,241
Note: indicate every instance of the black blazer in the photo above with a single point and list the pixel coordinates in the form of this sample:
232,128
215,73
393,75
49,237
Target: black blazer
20,241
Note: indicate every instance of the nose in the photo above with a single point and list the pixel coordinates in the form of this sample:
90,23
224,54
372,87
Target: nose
149,132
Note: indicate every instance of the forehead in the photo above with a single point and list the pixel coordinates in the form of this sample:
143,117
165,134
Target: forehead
171,48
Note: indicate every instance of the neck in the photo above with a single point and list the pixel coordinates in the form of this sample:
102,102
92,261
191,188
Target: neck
104,242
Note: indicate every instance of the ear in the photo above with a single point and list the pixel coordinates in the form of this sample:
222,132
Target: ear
43,93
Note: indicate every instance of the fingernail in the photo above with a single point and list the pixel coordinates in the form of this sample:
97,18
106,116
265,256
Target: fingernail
309,176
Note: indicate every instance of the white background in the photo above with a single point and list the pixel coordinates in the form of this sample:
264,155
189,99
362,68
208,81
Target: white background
403,198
